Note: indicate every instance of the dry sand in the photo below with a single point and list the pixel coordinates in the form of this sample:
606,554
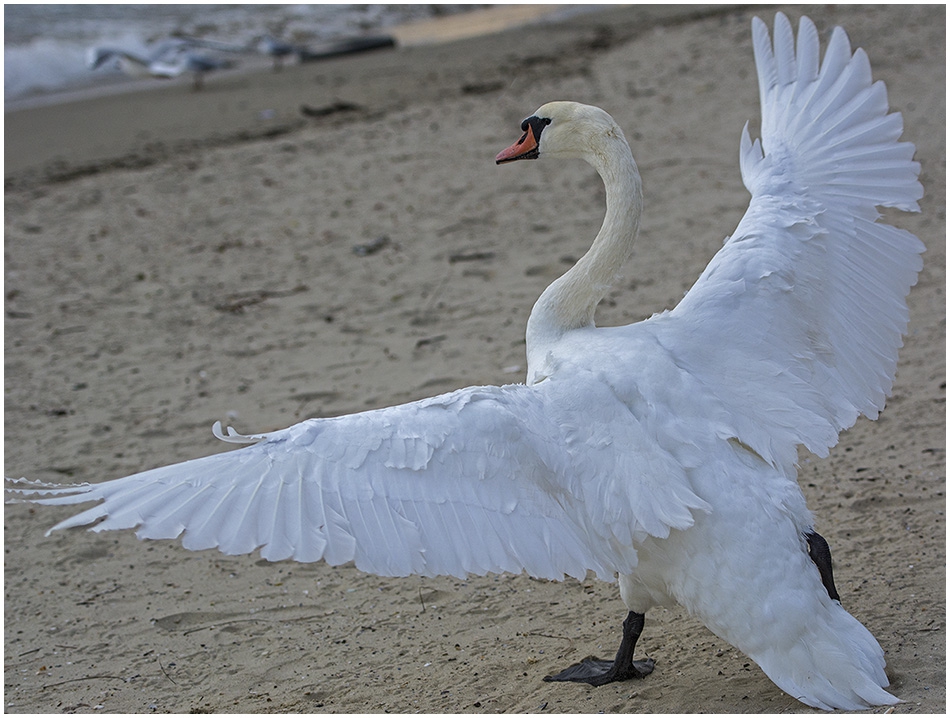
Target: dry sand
174,258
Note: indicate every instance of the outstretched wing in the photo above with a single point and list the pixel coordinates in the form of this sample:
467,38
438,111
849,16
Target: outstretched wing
797,320
552,479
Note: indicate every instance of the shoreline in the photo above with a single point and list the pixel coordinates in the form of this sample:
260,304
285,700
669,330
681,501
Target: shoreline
142,122
422,32
21,112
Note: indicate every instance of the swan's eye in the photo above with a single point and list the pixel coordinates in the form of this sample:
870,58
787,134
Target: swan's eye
538,123
535,125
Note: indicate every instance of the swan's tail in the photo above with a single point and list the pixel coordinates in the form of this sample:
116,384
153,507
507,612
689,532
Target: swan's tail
834,663
776,609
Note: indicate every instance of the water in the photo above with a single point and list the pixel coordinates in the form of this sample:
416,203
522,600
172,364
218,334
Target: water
45,46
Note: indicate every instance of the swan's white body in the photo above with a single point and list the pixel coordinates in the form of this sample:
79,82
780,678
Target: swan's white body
662,451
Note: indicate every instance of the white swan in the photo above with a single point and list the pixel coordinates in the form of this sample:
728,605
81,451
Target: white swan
663,451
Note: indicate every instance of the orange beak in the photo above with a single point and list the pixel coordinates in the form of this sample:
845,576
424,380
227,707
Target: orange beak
524,149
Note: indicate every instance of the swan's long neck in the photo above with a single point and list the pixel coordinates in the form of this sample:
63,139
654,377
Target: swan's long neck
570,301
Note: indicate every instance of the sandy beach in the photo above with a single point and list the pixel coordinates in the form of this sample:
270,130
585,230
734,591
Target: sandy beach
174,258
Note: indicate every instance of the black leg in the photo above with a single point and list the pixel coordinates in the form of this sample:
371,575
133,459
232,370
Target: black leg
820,553
598,672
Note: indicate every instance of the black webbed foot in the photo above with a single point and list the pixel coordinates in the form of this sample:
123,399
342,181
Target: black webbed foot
598,672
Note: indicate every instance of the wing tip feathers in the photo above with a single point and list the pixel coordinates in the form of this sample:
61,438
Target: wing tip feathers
803,99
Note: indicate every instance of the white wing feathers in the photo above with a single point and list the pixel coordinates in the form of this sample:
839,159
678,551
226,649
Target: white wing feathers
831,123
481,479
797,320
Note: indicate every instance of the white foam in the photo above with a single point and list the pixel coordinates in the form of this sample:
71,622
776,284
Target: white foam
53,59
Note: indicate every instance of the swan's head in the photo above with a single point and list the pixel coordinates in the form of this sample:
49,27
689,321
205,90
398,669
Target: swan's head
564,129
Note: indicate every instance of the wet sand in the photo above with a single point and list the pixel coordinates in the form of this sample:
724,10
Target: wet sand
174,258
